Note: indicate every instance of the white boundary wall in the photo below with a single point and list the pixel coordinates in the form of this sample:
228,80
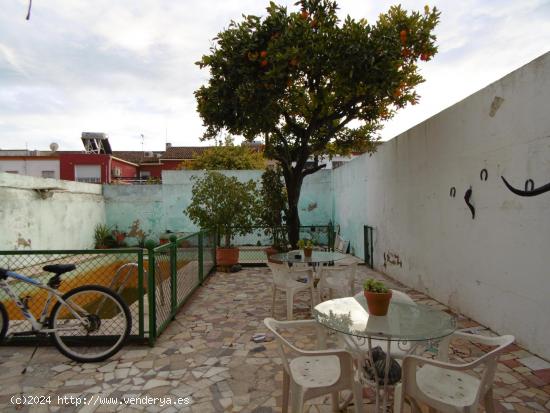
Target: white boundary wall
64,219
494,268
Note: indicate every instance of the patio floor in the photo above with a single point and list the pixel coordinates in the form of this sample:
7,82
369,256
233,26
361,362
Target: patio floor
207,354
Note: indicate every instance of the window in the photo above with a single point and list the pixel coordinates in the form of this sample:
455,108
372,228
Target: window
12,172
88,173
48,174
145,174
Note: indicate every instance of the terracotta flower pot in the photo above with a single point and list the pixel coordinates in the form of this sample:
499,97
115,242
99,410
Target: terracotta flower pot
269,251
227,256
378,303
308,252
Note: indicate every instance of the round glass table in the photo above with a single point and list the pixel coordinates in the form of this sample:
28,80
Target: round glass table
317,257
405,324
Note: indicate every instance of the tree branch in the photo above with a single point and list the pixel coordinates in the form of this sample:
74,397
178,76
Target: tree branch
297,130
310,171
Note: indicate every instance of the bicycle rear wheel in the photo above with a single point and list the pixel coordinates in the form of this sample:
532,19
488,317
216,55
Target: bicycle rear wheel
98,329
4,321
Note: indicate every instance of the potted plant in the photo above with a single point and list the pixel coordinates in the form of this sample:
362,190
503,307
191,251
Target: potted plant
378,297
224,204
307,246
103,237
274,209
119,236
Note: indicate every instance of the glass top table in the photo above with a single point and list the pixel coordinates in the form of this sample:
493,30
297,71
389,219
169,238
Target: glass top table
404,322
317,257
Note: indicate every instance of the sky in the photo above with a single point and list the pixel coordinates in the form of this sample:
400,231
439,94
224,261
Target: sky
126,67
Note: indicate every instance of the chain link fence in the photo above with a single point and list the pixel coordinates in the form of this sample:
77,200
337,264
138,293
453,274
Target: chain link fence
175,271
252,246
119,270
171,272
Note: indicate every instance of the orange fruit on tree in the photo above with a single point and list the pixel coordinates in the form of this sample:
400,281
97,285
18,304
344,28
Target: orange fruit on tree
263,63
263,54
397,92
403,36
304,14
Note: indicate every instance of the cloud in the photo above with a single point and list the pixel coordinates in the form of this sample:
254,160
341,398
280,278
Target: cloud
127,67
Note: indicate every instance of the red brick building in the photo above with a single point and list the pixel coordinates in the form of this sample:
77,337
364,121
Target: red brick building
151,164
95,168
98,163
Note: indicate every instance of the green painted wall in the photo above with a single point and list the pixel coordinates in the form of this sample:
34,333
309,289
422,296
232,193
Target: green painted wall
154,209
349,192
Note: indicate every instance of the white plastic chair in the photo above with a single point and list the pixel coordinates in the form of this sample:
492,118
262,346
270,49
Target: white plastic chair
337,279
340,244
298,266
445,386
313,373
284,279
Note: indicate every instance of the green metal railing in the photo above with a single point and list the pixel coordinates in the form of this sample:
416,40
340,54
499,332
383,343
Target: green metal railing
369,245
155,282
252,245
175,271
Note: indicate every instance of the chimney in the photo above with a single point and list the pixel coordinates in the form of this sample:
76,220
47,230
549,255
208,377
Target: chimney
168,145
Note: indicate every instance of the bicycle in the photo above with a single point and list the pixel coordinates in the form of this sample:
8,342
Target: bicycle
87,324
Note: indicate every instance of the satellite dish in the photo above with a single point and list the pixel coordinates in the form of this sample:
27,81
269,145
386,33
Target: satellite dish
54,146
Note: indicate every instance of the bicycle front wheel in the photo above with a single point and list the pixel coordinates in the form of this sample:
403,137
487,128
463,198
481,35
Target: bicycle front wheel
94,327
4,320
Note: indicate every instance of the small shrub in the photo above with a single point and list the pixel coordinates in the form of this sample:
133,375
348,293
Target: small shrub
375,286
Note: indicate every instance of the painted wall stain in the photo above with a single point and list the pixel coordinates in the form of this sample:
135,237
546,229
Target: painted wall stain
136,232
311,206
495,105
22,242
392,258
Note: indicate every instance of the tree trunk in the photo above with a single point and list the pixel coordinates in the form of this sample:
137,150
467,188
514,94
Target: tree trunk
293,181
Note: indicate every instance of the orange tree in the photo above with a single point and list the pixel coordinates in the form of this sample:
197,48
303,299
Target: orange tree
311,84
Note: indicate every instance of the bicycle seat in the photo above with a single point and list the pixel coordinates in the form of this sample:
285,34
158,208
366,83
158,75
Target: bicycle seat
59,269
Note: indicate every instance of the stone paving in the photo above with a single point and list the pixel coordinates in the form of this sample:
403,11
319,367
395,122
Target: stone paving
207,356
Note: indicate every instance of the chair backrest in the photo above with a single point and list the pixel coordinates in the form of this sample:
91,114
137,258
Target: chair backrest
280,273
273,325
401,297
345,360
284,345
345,275
487,361
340,244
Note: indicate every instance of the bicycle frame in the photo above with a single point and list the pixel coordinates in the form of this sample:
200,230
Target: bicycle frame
38,325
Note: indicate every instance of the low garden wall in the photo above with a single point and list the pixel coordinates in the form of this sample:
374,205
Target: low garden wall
149,211
39,213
